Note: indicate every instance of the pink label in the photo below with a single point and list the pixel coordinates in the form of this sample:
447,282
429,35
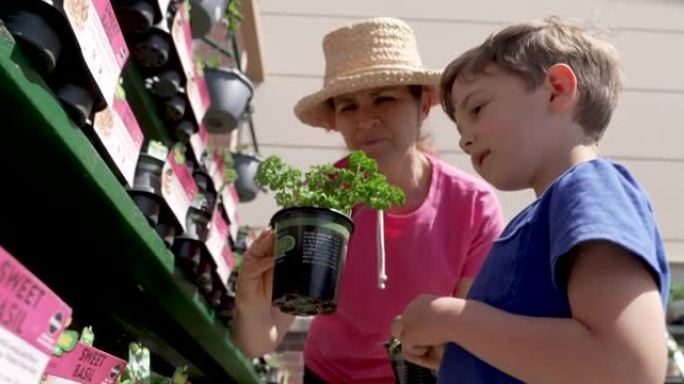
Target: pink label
215,168
102,43
230,200
178,188
199,145
86,364
216,242
121,136
28,308
112,29
229,257
182,39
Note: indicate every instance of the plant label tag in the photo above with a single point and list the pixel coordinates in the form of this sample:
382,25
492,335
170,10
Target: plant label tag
84,364
119,132
178,188
31,319
102,43
182,39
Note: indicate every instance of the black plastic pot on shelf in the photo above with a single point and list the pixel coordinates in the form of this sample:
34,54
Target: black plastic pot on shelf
188,254
46,37
246,168
204,14
230,92
165,84
310,253
174,108
205,184
38,40
183,130
136,16
204,277
197,222
406,372
152,50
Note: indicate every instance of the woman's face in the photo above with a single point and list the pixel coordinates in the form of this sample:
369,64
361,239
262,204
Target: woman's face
383,122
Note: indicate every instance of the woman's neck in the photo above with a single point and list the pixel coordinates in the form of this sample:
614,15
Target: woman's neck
412,173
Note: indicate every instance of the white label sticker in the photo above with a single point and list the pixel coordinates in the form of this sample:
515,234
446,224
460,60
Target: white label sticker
20,361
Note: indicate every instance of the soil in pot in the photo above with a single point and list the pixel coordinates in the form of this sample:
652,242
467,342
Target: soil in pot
310,252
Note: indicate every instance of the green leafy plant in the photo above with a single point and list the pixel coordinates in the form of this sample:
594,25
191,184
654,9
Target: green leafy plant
232,15
327,186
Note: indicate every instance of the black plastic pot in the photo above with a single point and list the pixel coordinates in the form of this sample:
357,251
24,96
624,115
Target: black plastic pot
204,14
183,130
174,108
204,277
135,16
77,102
188,254
196,223
152,50
246,168
38,40
167,227
205,185
165,84
310,252
406,372
230,92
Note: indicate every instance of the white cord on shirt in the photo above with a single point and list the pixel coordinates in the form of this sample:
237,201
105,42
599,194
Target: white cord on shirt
380,240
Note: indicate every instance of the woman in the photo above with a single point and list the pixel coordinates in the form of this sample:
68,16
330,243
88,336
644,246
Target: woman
377,94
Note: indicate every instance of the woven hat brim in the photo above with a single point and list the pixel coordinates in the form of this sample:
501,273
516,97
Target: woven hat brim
314,110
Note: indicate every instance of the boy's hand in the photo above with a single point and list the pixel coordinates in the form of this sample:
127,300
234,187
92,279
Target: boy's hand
255,281
424,328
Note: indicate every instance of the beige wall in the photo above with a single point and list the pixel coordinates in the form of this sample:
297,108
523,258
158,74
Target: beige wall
647,132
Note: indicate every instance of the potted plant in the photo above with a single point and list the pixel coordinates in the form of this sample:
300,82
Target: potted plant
313,226
406,372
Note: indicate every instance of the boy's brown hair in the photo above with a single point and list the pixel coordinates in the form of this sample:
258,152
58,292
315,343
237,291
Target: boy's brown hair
527,50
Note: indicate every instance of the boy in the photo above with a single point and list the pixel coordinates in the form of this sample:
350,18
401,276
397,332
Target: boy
574,289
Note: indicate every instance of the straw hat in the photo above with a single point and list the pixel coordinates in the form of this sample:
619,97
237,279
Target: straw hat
373,53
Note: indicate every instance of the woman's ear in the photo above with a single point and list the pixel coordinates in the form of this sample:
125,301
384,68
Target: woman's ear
562,84
426,102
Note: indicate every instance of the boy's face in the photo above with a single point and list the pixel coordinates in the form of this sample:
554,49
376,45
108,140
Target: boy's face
504,127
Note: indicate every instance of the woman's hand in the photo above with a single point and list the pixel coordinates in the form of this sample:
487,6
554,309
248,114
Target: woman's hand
255,280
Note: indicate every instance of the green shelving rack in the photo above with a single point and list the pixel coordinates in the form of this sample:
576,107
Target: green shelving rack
65,215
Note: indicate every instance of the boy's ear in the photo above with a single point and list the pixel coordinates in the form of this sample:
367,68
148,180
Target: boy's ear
562,83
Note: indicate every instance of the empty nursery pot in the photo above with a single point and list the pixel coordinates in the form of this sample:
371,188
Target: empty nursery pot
183,130
406,372
204,276
38,40
196,223
188,254
165,85
146,190
135,16
153,49
174,108
77,101
205,185
310,252
204,14
246,167
230,92
167,226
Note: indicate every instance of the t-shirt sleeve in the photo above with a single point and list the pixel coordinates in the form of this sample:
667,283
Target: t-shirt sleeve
597,201
487,226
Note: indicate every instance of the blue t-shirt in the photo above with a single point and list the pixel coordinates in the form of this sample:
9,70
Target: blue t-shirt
595,200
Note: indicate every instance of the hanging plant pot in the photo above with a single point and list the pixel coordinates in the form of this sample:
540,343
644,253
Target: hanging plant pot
310,252
406,372
246,167
204,14
135,17
230,92
38,40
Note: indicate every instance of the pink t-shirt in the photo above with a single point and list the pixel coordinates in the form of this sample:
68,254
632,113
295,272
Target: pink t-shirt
427,251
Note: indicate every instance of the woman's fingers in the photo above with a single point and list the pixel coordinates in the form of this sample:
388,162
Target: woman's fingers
262,247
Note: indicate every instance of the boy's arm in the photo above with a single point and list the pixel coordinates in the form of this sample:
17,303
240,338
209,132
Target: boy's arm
616,334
